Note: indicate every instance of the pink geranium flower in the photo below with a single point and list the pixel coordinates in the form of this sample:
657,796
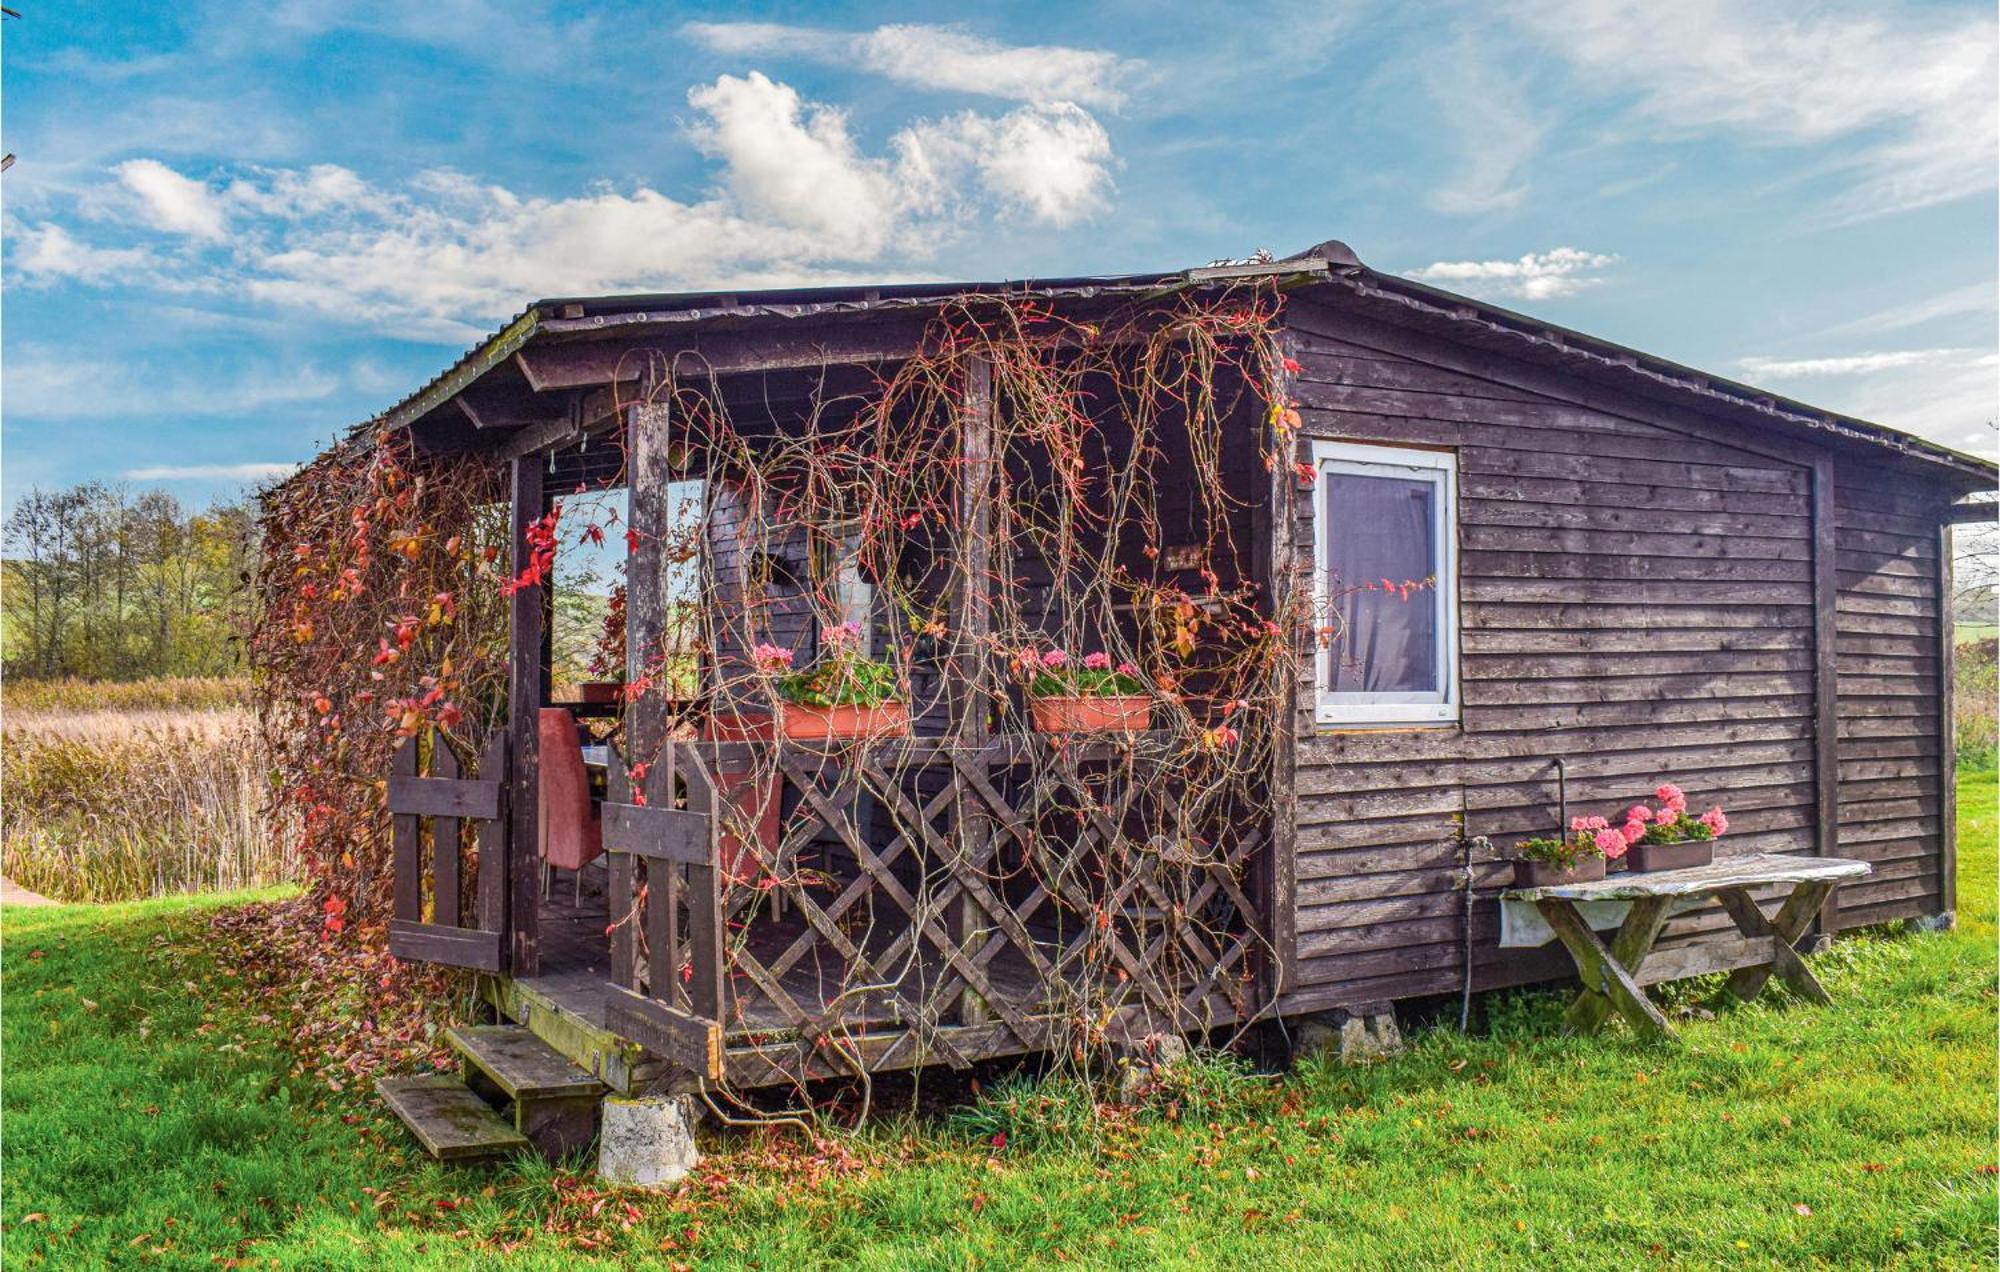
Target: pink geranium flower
1639,813
769,658
1054,658
1126,669
1715,821
841,636
1611,843
1633,831
1097,661
1672,797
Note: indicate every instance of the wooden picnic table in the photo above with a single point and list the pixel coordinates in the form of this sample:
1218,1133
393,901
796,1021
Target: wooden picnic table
1611,974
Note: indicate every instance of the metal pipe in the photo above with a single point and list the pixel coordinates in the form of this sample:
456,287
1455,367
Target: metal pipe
1562,797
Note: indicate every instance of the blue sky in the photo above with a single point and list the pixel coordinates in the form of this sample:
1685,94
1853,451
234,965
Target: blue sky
234,230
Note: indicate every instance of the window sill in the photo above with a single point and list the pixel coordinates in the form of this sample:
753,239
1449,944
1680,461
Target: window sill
1346,727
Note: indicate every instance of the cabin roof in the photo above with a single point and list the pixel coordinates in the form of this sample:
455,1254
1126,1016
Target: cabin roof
1329,271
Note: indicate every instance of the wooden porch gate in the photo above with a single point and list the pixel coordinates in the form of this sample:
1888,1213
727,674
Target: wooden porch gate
439,923
664,894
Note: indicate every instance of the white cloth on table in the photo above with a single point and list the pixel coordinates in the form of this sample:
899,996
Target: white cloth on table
1523,927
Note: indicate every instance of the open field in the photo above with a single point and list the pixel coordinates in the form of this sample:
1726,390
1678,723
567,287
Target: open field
156,1115
120,791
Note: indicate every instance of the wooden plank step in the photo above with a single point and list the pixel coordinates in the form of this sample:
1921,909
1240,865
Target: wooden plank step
450,1121
520,1064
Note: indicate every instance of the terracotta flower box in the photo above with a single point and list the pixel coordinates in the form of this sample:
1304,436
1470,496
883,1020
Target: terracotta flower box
1680,856
1056,713
1543,874
811,724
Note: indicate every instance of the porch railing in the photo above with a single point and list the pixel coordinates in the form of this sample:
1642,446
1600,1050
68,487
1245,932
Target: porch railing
878,904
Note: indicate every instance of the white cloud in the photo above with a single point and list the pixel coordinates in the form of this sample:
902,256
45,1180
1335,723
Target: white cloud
444,257
1490,123
45,253
1561,271
1953,404
1909,95
1973,298
793,164
936,57
210,472
1852,363
1048,161
44,383
170,201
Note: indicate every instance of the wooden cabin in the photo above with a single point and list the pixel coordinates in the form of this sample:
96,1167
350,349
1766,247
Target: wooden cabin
1598,570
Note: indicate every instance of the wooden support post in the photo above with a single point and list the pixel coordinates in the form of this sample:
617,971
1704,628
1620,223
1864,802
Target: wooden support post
525,691
649,517
1630,947
1826,680
1603,972
1275,530
1794,917
1947,734
971,628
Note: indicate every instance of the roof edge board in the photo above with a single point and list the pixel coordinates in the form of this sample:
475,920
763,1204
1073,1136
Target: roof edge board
1672,376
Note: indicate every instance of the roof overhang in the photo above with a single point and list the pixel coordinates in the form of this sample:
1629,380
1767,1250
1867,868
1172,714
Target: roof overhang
525,382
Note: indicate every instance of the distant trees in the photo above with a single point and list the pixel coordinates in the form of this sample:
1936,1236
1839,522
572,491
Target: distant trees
101,583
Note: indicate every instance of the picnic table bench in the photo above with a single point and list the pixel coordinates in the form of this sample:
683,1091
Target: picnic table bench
1611,975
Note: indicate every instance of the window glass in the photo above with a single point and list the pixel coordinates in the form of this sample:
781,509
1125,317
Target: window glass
1380,553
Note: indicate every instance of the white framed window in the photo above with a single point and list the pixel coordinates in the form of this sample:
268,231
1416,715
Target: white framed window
1385,584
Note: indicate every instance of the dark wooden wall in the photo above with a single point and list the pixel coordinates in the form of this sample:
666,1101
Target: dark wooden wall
1637,596
1893,807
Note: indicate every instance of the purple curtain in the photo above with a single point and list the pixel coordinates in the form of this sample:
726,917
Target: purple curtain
1380,529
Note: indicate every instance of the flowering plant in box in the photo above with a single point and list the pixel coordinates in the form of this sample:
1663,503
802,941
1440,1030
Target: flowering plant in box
1671,823
1588,837
1053,673
842,676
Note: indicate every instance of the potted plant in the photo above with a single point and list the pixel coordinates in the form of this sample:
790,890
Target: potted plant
1577,857
843,694
1067,695
1670,838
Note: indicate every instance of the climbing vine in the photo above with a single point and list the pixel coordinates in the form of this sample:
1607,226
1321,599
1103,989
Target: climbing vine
378,615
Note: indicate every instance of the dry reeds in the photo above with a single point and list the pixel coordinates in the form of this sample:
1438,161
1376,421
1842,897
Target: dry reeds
103,804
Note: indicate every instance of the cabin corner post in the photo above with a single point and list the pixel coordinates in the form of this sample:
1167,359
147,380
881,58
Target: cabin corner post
1277,526
526,687
648,518
1947,731
972,620
1826,681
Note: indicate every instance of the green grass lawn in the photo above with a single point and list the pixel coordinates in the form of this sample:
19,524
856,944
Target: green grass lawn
154,1117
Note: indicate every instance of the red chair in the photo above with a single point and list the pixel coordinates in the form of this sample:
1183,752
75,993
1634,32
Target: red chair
572,831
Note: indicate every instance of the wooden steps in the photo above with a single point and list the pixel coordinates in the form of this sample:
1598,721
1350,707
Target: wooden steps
452,1123
519,1064
518,1092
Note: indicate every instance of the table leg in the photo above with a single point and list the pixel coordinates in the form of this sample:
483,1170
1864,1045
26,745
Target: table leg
1603,972
1630,946
1782,933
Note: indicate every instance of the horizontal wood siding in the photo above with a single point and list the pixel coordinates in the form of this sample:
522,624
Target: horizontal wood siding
1886,651
1634,598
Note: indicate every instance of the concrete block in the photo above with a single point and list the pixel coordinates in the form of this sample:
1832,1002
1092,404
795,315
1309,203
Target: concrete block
1142,1061
647,1141
1358,1036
